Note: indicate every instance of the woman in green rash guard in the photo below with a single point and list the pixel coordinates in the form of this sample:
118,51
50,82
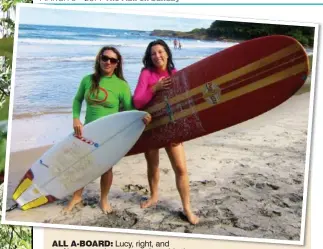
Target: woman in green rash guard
104,91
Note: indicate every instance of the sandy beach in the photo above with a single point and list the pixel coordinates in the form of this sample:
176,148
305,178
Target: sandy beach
245,181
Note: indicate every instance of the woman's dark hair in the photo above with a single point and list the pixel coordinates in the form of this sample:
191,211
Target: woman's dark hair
96,76
148,63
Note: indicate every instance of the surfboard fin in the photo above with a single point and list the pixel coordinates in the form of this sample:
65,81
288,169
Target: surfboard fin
169,110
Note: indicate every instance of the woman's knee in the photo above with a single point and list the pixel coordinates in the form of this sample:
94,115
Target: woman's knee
176,156
152,158
180,169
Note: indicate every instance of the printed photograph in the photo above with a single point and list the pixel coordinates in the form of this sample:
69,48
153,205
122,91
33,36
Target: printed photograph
161,124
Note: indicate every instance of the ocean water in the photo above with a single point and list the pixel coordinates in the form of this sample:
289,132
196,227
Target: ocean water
52,60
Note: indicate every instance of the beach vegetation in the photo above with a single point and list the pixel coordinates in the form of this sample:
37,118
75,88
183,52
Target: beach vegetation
3,141
6,45
5,82
246,31
3,135
15,237
7,29
10,236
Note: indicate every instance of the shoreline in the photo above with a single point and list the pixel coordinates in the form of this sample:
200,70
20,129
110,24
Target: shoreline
246,180
61,125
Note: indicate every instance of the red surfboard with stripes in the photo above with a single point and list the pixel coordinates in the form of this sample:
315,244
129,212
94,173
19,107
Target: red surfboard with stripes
225,89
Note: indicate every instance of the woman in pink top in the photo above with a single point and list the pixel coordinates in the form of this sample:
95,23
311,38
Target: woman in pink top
154,77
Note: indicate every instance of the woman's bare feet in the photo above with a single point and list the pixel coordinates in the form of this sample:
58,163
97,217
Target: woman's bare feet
192,218
75,201
150,202
105,206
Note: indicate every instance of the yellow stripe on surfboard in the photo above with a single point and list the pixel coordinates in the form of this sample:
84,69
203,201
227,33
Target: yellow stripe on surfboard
35,203
22,188
26,183
230,76
234,94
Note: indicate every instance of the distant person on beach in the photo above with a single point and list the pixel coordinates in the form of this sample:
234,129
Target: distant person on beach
154,77
179,45
175,43
104,92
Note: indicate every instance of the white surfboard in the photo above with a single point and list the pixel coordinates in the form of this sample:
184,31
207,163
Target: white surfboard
74,162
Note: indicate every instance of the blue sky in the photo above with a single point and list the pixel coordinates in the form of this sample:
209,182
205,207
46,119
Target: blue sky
64,17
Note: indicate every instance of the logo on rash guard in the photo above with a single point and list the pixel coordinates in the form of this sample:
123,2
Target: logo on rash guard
95,100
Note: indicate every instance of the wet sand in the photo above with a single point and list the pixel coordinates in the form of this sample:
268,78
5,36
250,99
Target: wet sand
245,181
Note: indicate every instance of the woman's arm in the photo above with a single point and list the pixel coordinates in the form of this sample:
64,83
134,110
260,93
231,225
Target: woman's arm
78,99
77,106
143,92
126,98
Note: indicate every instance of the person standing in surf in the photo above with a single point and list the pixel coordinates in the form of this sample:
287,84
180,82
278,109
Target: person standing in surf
175,43
154,77
104,91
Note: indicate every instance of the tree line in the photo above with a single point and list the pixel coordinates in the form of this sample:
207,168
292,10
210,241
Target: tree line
11,237
223,30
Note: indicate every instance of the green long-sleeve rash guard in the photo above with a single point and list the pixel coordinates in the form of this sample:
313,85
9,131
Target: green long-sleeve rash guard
112,93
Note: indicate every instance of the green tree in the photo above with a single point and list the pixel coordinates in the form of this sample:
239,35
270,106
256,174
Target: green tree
11,237
8,8
245,31
15,237
3,135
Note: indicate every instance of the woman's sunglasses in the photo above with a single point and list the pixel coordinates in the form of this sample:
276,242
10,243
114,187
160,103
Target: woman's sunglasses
105,58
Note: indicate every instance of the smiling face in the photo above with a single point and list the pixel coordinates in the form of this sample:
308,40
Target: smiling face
159,57
108,62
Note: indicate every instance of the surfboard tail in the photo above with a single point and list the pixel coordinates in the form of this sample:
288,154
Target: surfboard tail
28,194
